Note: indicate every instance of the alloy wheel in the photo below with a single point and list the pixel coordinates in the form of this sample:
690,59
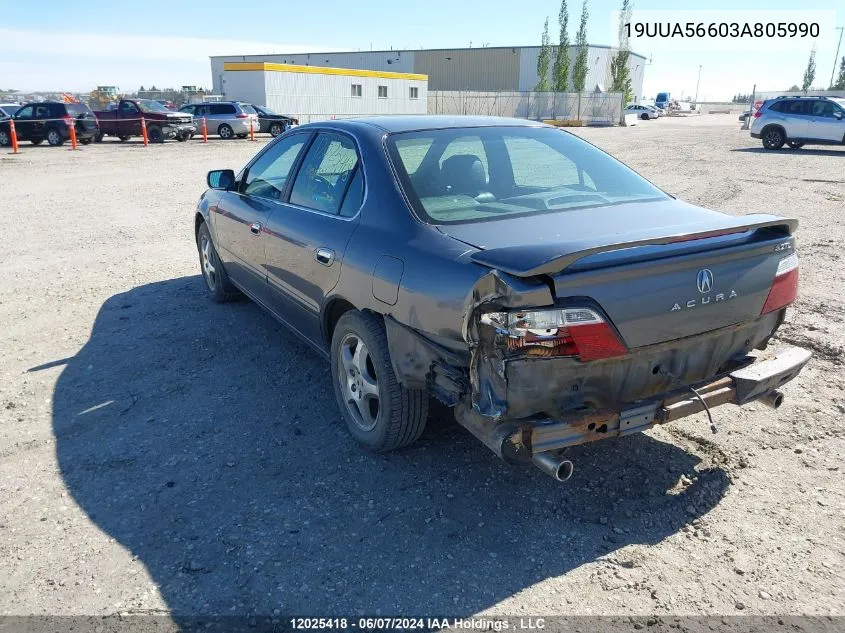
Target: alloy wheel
208,268
358,382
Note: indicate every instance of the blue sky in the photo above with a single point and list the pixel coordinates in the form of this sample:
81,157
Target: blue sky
168,42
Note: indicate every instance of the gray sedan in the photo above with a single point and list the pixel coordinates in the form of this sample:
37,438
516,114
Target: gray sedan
513,271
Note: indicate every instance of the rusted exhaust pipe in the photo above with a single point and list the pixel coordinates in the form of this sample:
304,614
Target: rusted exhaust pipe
773,398
553,465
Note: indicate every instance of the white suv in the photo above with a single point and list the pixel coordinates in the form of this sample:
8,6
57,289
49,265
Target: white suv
797,121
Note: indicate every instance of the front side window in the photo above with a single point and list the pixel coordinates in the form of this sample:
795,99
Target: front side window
323,178
127,107
382,92
24,113
267,176
823,109
482,174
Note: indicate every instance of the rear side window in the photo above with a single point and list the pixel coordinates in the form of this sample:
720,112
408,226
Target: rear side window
43,112
791,106
324,175
222,108
77,108
354,197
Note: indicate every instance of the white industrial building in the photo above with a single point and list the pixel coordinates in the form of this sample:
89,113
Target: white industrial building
492,68
312,93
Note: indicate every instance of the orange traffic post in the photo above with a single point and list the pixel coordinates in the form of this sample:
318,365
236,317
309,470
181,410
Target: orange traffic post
14,136
72,129
251,130
144,132
204,131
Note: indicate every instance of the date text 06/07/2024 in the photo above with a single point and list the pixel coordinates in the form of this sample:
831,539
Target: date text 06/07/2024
425,623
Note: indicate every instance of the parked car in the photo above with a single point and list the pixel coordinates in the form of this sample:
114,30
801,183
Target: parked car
643,112
124,121
50,121
744,116
8,109
226,119
658,111
798,121
519,274
167,104
273,122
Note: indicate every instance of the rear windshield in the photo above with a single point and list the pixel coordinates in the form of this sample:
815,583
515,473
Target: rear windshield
148,105
482,174
77,108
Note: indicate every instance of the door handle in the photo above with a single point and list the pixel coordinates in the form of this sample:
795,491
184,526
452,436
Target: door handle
324,255
255,228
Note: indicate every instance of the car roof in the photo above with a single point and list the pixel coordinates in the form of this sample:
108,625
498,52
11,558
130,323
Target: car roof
409,123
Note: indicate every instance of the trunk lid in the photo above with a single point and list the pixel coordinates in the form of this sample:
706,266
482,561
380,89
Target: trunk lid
660,270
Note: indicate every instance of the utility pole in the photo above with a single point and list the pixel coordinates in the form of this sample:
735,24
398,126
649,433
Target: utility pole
696,85
836,59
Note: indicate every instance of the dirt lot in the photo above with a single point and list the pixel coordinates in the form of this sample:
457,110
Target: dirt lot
163,454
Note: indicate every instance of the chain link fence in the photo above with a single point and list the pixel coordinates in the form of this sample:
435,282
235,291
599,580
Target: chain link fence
589,107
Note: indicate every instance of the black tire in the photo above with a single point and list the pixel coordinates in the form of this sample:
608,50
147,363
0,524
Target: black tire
218,284
86,141
401,413
5,138
36,141
155,134
644,116
773,138
54,137
182,137
242,135
276,128
225,131
124,137
795,145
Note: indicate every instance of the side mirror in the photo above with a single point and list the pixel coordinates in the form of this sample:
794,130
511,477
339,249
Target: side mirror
221,179
837,114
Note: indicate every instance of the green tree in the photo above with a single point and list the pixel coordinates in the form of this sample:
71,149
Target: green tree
794,88
810,73
141,89
544,60
560,72
620,71
840,79
579,71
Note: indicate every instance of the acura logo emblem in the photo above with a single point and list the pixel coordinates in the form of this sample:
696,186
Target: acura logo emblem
704,280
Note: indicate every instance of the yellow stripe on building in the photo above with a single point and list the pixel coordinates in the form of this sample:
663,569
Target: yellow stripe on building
320,70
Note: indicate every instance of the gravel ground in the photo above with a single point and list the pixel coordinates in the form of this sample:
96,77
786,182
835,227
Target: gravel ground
164,454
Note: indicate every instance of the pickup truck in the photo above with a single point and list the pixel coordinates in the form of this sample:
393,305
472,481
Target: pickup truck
124,121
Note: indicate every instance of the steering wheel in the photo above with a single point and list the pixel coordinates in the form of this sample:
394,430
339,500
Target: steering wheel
322,192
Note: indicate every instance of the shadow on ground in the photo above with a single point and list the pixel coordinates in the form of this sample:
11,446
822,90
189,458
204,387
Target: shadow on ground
206,440
814,151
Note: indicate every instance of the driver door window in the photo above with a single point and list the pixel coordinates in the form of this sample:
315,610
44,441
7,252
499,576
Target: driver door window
323,178
128,108
267,176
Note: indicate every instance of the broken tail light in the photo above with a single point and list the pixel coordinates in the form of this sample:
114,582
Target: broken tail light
784,288
575,332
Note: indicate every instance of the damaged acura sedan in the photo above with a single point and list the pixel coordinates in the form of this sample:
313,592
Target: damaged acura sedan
545,291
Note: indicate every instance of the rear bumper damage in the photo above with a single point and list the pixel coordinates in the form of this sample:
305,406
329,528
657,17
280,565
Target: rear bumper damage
521,441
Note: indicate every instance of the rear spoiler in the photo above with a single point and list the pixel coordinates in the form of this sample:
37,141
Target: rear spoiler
545,259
